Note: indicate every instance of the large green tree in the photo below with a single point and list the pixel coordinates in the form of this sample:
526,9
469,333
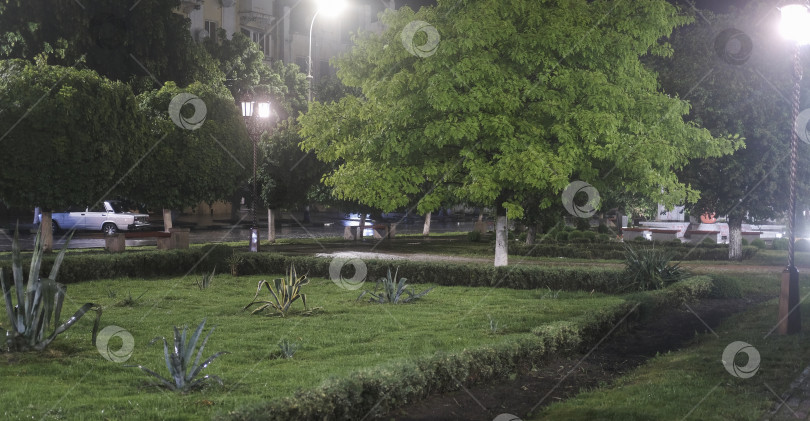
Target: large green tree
67,137
201,154
125,41
736,71
514,100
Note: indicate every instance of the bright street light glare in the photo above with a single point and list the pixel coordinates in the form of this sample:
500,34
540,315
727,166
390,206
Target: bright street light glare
330,7
264,109
795,23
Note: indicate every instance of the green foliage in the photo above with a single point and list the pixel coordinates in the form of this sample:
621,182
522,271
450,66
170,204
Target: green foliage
204,165
494,326
780,244
603,238
206,279
603,229
393,291
759,244
129,300
709,240
39,302
744,242
182,372
563,236
283,292
583,224
57,120
474,236
641,239
287,348
650,268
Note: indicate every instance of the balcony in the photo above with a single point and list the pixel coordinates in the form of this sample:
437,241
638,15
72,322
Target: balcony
186,6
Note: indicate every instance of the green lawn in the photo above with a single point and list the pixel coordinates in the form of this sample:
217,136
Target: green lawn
693,384
71,380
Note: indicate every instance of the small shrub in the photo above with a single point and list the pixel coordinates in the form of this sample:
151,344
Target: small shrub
708,240
603,238
522,236
182,372
494,326
234,262
283,292
393,291
287,348
603,229
583,224
474,236
39,301
562,236
589,235
129,301
575,235
206,279
641,239
780,244
758,243
650,269
744,242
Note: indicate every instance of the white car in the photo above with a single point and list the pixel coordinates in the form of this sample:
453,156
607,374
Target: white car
108,216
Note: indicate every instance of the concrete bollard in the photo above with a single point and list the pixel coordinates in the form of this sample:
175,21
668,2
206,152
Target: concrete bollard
179,238
115,243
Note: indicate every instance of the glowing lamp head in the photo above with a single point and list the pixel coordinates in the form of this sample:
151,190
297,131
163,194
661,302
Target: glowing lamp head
795,23
330,7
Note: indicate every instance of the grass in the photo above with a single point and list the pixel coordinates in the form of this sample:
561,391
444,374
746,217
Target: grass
72,380
694,379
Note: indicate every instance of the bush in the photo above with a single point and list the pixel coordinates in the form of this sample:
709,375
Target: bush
780,244
583,224
640,239
589,235
576,235
603,229
603,238
650,268
709,240
474,236
759,244
562,236
744,242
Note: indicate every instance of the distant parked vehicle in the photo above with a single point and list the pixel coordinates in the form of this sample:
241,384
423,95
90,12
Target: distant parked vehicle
108,217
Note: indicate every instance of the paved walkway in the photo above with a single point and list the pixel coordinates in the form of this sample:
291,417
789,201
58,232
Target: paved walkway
795,403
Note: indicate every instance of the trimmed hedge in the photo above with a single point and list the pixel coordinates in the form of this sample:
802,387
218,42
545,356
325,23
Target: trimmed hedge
377,391
614,251
606,280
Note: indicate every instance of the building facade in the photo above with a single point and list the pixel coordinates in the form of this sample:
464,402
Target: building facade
281,27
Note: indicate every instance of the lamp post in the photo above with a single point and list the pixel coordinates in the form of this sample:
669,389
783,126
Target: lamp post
331,7
795,26
255,113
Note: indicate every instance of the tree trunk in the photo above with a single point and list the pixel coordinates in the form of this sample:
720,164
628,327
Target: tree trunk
307,219
362,226
167,220
501,256
735,238
531,234
46,228
271,225
426,227
481,216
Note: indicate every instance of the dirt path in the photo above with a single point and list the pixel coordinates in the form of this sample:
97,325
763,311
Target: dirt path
564,377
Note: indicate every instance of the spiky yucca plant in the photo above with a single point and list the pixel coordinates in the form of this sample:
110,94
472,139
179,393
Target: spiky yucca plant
393,291
649,269
205,282
182,371
39,302
283,292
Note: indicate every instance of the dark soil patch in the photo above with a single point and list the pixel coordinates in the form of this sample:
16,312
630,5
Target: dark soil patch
565,377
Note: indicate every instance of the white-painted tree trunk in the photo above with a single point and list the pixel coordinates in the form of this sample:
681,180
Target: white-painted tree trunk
271,226
501,256
362,226
734,238
426,227
531,234
167,220
46,227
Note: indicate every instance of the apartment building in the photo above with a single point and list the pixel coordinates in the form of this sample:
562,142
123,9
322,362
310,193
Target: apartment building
281,27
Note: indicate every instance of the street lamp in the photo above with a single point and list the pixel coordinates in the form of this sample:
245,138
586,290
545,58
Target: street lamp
255,113
331,8
794,26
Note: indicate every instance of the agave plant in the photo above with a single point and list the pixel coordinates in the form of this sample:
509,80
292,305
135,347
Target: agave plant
205,282
649,269
182,372
39,302
283,292
287,348
393,291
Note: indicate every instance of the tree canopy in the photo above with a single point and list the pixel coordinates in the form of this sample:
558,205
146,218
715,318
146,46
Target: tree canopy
490,104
